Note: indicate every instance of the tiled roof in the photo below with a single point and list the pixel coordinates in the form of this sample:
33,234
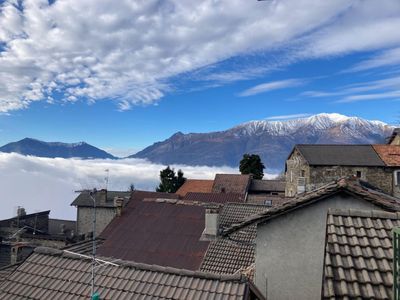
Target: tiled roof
340,155
84,247
215,197
7,271
196,186
157,231
236,254
390,154
258,185
84,198
359,254
55,274
231,183
348,185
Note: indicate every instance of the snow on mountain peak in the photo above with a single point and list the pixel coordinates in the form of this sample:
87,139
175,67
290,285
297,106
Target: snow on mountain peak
318,122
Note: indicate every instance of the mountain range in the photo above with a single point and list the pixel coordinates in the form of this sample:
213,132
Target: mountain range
35,147
272,140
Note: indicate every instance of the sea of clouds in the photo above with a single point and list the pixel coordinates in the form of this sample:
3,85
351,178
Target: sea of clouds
38,183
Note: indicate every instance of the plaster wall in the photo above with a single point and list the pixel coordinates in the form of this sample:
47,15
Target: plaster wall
290,249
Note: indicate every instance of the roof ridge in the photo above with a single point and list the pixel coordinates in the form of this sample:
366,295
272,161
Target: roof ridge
148,267
363,213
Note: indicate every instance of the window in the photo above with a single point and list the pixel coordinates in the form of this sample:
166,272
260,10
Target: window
268,202
303,173
291,176
358,174
397,178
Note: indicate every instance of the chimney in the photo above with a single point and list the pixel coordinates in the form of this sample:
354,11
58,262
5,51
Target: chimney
211,222
118,203
21,211
103,196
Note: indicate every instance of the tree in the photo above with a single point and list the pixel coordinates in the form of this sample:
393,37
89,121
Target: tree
131,187
252,164
169,181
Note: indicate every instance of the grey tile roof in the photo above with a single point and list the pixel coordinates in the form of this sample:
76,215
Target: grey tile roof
350,186
55,274
7,271
231,183
215,197
84,247
237,253
359,254
84,199
267,185
340,155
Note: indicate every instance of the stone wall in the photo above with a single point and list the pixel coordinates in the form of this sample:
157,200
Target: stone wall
295,166
104,215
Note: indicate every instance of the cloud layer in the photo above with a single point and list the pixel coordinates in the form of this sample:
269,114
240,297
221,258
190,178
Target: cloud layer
46,183
127,51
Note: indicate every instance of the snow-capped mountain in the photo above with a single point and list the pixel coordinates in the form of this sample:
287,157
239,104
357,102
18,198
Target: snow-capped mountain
35,147
272,140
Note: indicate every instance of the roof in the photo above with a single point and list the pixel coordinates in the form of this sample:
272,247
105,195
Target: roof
340,155
237,254
196,186
390,154
258,185
27,220
56,274
6,271
84,247
395,133
231,183
348,185
84,198
56,226
157,231
215,197
359,254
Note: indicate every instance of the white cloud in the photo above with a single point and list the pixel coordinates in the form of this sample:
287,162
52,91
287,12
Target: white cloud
126,51
270,86
288,117
386,58
46,183
368,97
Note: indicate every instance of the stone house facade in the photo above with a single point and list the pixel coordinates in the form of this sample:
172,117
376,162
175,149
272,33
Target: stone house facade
106,210
311,166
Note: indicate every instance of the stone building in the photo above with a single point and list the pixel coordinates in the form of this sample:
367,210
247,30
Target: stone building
311,166
106,210
394,139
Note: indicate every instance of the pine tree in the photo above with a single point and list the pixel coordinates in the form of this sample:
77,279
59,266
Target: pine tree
252,164
169,181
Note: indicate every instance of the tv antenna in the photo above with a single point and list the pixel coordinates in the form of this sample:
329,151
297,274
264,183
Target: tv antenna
107,177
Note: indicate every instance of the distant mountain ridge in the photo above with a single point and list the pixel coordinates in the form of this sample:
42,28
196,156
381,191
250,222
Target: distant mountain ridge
272,140
29,146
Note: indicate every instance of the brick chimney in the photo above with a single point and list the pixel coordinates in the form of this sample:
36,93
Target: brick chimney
119,204
211,222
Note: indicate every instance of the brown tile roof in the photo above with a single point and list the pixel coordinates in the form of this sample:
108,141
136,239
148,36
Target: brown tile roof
215,197
55,274
267,185
231,183
159,232
340,155
237,253
390,154
196,186
359,254
84,198
347,185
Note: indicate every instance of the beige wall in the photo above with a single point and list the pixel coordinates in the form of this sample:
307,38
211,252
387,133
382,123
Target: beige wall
290,249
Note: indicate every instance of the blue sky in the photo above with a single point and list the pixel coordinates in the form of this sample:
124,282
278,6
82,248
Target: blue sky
122,76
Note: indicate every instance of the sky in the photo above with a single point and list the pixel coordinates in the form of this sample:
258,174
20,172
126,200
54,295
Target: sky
122,75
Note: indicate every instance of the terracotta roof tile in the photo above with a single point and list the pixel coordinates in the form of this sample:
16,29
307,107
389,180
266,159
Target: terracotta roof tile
390,154
55,274
231,183
196,186
359,254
